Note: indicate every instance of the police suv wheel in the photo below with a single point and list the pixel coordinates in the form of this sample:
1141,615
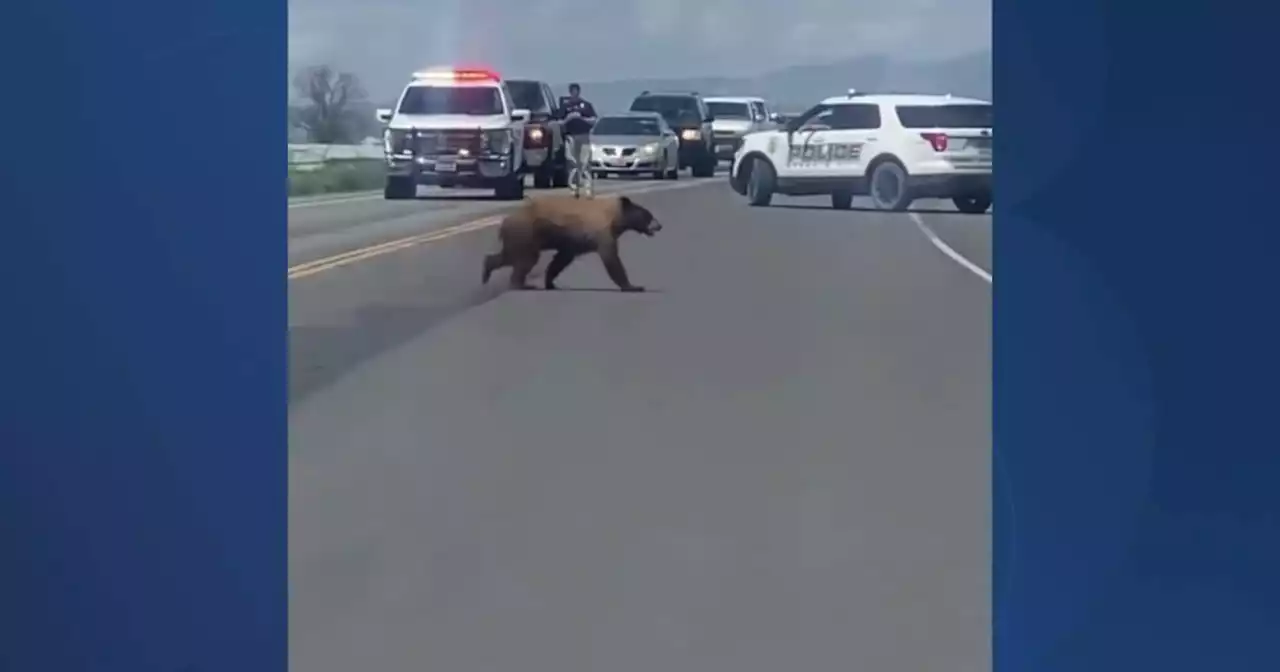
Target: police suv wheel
889,187
972,205
399,188
760,183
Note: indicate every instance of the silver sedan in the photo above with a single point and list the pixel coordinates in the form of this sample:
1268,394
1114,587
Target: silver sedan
634,143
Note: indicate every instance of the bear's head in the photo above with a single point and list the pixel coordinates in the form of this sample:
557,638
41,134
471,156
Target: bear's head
637,218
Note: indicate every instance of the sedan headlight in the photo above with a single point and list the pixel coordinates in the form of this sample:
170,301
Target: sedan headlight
499,142
690,134
650,149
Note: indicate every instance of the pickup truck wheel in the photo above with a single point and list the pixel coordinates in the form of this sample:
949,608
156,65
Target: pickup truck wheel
399,188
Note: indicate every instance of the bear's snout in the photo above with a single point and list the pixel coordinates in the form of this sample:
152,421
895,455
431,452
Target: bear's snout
654,227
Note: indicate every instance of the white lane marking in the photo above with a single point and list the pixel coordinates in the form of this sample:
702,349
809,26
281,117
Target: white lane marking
946,249
335,200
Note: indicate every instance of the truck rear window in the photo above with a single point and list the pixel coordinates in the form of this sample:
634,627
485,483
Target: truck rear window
945,116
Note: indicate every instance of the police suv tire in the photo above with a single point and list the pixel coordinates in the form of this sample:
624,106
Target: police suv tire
972,205
399,188
760,183
842,200
890,170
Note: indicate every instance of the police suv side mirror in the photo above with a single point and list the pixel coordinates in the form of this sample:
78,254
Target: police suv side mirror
384,115
710,118
775,117
520,115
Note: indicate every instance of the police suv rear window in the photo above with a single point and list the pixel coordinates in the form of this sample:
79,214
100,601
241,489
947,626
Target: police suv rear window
945,116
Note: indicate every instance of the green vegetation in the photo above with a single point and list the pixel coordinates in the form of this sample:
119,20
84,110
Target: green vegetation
335,177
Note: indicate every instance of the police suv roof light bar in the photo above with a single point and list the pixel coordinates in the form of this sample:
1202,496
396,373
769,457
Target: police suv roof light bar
458,74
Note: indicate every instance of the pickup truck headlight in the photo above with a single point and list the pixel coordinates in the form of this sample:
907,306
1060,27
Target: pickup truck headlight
691,134
393,140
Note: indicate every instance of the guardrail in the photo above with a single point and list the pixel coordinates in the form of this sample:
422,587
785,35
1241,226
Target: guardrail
310,157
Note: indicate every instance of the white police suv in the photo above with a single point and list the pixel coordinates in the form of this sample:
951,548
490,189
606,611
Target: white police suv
455,128
893,148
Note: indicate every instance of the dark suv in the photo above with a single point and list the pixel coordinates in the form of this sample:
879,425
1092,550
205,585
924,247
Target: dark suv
688,115
543,139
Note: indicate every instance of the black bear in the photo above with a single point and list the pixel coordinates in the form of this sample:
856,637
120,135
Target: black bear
570,227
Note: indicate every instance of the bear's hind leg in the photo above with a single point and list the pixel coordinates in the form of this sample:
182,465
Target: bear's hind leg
521,267
558,263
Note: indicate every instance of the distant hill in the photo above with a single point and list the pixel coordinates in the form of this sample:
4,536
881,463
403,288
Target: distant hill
798,87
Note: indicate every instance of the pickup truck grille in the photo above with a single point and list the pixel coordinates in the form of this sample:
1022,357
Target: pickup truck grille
448,142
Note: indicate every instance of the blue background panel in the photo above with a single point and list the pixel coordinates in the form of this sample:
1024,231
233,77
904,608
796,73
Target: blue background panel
143,406
1137,462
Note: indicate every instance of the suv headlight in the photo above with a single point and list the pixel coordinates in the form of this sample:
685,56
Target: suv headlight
499,142
690,134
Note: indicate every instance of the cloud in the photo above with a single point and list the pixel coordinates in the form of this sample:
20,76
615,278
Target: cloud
384,40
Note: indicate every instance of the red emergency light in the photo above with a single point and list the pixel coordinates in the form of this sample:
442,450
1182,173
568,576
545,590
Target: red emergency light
460,74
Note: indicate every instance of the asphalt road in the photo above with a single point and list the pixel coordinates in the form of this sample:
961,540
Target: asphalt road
777,458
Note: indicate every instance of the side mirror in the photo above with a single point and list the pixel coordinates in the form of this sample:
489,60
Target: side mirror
521,115
710,118
384,115
775,117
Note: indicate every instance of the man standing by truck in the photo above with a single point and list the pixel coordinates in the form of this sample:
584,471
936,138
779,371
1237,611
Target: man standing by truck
580,116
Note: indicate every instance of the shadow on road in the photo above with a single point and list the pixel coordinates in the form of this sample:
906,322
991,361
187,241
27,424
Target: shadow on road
319,355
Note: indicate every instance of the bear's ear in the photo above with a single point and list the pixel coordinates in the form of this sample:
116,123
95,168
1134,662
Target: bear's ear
626,202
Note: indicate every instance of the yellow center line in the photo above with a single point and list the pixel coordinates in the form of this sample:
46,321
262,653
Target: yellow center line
351,257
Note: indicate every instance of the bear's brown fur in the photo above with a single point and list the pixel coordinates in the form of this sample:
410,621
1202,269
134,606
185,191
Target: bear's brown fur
571,227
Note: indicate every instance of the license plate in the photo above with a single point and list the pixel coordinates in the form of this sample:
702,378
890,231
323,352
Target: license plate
618,162
983,144
446,166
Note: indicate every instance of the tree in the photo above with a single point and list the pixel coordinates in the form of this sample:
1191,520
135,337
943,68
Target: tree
330,104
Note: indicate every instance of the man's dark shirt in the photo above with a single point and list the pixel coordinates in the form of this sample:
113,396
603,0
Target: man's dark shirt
578,125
